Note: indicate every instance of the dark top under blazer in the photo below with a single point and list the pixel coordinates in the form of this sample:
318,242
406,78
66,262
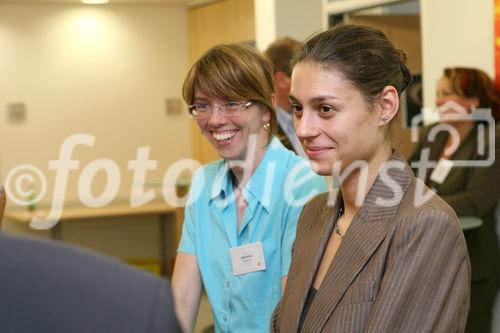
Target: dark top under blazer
46,287
402,268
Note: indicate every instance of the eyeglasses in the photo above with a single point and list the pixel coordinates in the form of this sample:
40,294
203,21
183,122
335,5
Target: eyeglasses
203,110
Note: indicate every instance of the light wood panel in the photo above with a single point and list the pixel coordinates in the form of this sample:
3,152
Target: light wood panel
86,213
404,32
225,21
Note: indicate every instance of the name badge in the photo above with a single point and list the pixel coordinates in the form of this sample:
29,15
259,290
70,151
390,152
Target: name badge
441,171
247,258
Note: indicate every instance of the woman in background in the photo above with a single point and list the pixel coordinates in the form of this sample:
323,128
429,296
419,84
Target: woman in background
242,212
470,191
376,256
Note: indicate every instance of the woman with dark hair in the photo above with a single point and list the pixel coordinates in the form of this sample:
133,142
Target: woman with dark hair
242,212
381,253
463,134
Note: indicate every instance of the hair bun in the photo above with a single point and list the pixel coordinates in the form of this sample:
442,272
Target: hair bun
407,77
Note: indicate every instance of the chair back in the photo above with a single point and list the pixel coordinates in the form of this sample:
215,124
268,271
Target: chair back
3,200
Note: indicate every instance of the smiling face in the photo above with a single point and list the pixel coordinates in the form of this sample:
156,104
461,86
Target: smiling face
446,94
230,136
332,119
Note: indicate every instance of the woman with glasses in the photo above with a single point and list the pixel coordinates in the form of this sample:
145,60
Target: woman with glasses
242,211
383,253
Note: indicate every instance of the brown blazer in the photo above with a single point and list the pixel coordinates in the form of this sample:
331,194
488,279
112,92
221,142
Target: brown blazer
402,268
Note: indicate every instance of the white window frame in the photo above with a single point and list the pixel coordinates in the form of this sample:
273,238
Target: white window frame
347,6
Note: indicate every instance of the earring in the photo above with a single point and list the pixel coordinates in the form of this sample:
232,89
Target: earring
267,126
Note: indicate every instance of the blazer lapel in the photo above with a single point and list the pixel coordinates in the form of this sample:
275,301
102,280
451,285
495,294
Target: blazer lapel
305,264
437,146
367,230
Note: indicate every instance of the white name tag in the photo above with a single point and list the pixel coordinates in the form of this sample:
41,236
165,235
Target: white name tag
441,171
247,258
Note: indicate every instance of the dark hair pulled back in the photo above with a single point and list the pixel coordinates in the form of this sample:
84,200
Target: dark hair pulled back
364,56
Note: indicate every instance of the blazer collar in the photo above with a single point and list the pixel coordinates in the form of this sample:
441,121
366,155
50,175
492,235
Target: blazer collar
367,230
222,189
437,145
315,236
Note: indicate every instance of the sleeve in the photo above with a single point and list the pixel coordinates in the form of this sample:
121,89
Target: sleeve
187,243
481,192
188,238
274,319
418,146
299,189
426,285
162,313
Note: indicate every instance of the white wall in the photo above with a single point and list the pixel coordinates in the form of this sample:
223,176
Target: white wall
298,18
265,23
455,33
286,18
105,71
101,70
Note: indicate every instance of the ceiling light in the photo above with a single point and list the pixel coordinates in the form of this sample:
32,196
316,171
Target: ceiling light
94,2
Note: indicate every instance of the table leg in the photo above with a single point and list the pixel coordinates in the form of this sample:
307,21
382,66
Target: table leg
56,231
163,245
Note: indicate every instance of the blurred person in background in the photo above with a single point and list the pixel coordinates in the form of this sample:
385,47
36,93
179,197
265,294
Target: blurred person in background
281,53
48,287
470,191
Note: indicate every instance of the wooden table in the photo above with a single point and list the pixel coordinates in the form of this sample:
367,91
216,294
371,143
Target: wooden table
161,209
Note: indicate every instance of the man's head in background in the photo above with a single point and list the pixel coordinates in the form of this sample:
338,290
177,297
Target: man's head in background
281,53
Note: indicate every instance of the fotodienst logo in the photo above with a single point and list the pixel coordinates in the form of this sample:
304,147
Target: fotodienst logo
449,113
19,178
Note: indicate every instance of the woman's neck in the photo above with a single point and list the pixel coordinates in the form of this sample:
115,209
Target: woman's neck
243,170
357,185
463,127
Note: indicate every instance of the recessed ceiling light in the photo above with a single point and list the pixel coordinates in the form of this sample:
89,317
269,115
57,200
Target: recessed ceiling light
94,2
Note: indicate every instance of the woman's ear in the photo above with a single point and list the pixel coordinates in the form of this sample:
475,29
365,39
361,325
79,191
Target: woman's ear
389,105
266,114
